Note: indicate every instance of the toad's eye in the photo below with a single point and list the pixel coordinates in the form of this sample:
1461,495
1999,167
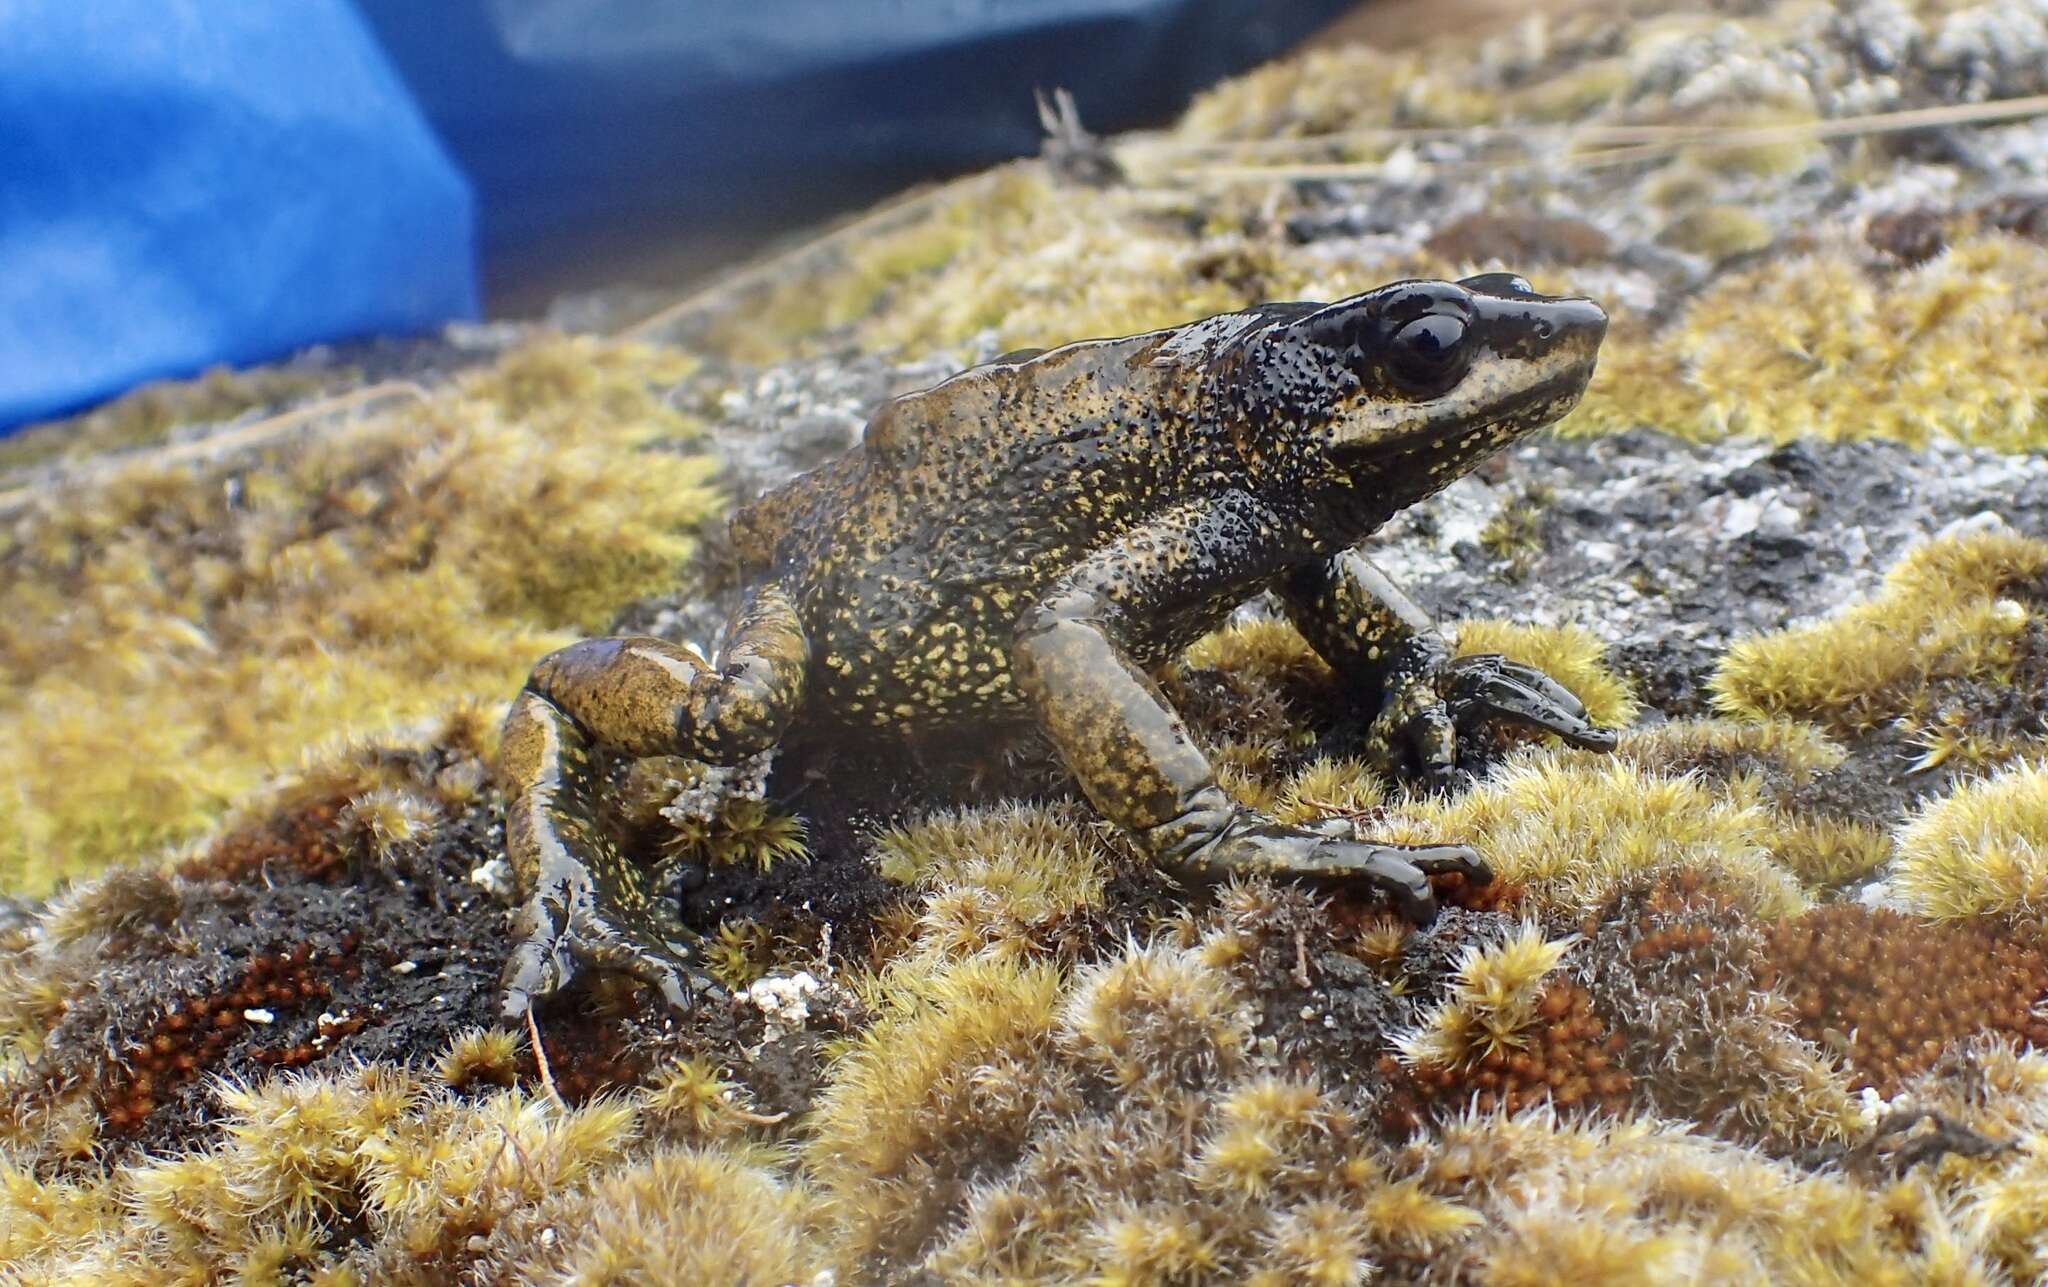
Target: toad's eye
1425,355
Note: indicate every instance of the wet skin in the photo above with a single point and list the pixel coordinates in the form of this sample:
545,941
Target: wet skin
1031,540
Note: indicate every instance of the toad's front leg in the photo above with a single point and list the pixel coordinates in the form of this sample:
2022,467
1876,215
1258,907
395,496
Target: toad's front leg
1381,642
586,902
1132,754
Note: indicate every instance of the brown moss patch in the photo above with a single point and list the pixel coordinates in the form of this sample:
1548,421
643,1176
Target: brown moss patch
1890,993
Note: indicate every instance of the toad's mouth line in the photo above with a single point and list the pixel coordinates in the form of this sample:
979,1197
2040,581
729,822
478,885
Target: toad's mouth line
1538,404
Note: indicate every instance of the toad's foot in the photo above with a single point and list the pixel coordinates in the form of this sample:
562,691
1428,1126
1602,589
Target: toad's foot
1327,852
1401,872
587,904
558,931
1431,698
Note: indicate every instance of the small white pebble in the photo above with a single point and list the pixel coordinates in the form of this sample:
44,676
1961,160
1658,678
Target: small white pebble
494,877
405,967
259,1016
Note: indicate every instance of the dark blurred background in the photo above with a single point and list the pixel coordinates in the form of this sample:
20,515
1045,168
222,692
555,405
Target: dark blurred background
610,137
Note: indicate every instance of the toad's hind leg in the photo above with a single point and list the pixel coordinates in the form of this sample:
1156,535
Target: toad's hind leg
586,902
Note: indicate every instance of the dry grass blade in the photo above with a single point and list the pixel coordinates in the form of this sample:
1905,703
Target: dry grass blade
1592,146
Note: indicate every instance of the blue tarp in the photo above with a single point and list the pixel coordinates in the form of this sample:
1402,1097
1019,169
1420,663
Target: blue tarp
187,182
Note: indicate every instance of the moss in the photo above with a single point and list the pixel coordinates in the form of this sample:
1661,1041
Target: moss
1642,1203
1325,787
177,633
1998,1096
147,414
1323,91
679,1215
1180,1159
1718,232
1981,850
737,954
1863,981
1006,881
1781,156
1775,765
1570,830
947,1078
480,1057
1573,94
1018,1092
1265,646
1945,617
500,1188
1514,535
1041,861
1829,853
1796,335
1820,345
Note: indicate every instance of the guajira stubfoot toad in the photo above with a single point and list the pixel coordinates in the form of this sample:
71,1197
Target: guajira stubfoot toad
1031,540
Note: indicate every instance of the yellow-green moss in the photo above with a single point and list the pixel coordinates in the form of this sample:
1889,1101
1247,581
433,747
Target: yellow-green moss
177,633
1492,1006
1822,851
1823,343
500,1188
955,1058
1999,1199
1573,828
1637,1203
1826,853
1321,92
1824,346
143,416
680,1215
995,880
1265,646
1980,850
1042,860
1942,615
1326,786
1718,232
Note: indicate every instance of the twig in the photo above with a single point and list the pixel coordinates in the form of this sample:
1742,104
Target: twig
540,1061
757,1119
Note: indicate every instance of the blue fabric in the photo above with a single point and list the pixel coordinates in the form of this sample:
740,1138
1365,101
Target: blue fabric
187,182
